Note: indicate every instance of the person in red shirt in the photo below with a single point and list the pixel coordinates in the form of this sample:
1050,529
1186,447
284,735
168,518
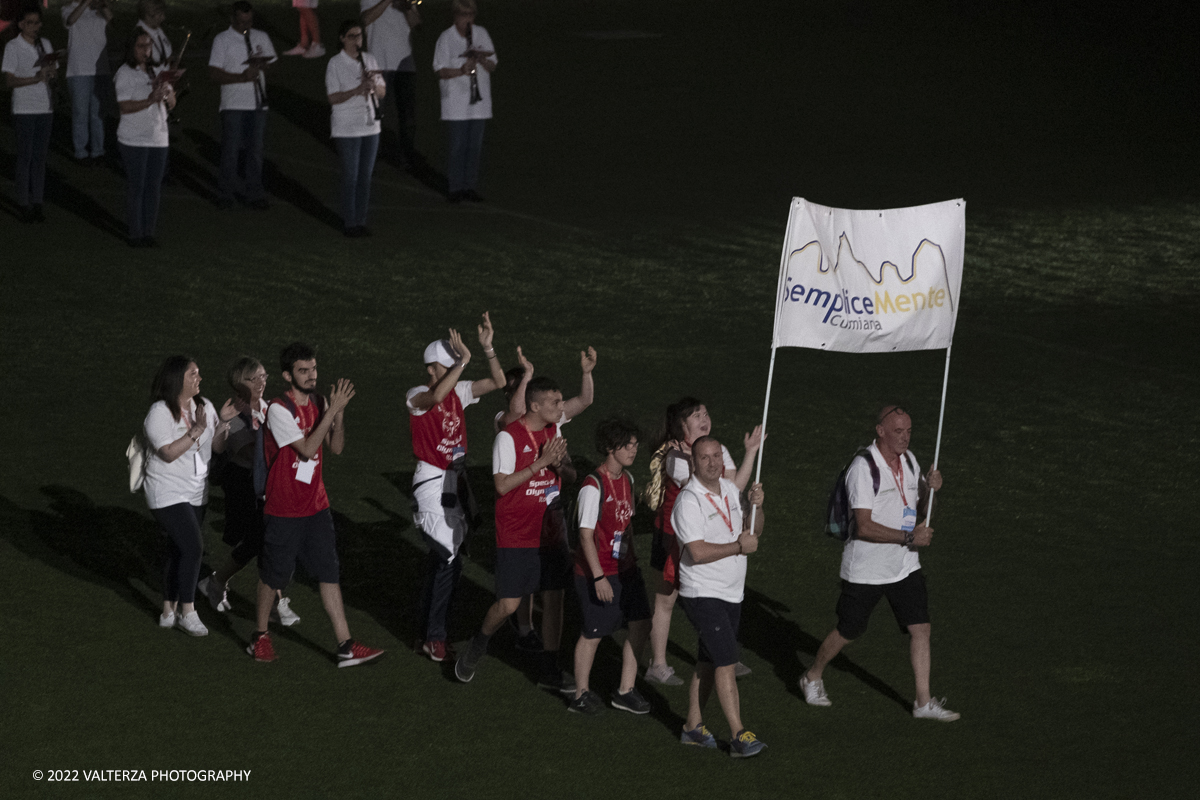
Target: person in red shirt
529,460
299,525
445,506
607,580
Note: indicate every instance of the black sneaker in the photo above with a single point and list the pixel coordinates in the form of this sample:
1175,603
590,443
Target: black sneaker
559,681
588,704
632,701
464,667
530,642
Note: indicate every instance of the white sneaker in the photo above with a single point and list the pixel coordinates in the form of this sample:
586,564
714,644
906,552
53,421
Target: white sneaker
663,674
190,624
934,710
167,620
316,50
218,598
814,692
298,50
283,614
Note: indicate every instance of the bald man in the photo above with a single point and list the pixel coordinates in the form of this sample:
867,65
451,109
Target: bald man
889,497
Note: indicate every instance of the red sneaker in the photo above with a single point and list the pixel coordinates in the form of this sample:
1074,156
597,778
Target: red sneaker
436,650
352,653
261,649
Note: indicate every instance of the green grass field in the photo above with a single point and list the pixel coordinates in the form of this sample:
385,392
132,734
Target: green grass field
639,190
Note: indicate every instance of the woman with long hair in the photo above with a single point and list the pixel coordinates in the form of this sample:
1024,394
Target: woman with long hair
182,430
142,135
671,468
245,525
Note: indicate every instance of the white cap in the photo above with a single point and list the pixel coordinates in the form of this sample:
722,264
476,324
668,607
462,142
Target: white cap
439,352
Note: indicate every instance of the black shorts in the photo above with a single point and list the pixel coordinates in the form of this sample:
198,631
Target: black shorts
660,549
717,623
518,571
908,598
557,568
308,540
629,603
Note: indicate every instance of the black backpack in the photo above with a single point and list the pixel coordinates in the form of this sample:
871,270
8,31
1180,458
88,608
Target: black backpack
839,517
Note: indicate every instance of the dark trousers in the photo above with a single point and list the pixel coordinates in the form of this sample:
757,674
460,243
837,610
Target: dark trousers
441,579
33,143
400,87
144,170
242,130
466,150
181,523
358,162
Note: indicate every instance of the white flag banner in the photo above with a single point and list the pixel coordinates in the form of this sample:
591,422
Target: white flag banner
870,281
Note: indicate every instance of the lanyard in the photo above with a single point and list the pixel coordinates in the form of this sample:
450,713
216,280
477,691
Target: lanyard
532,441
726,515
610,487
898,477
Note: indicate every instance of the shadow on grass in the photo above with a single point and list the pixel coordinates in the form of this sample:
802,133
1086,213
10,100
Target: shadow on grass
104,545
276,181
777,640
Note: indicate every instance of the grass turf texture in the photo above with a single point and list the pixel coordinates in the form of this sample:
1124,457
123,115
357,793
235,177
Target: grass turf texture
640,188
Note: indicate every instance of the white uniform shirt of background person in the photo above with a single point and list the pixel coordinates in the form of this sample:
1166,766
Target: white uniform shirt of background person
456,92
229,53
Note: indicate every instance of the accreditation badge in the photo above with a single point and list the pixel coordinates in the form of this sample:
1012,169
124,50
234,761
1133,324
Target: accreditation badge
910,519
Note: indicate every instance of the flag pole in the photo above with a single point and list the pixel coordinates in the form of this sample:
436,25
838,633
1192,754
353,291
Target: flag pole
937,450
783,259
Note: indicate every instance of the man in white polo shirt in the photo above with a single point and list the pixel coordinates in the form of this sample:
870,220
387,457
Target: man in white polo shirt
389,26
888,495
714,543
237,62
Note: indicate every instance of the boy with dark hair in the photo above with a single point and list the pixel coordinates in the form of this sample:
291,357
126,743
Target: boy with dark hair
529,460
299,526
607,579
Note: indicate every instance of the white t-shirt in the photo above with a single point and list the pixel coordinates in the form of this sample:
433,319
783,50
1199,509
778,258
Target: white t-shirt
504,453
162,45
355,117
241,435
87,42
20,60
679,469
389,38
229,54
456,92
184,480
702,516
880,562
145,128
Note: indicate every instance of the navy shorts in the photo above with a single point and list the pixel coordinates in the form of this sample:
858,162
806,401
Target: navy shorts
308,540
908,598
518,571
629,603
717,623
557,568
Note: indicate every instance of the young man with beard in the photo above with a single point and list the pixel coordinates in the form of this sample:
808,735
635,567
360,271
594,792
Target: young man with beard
299,526
444,503
529,460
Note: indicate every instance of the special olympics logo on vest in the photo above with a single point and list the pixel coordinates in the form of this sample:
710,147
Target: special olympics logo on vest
451,425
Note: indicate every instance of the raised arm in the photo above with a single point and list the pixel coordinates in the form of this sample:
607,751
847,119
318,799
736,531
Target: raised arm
427,400
516,403
587,389
486,334
752,442
375,12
